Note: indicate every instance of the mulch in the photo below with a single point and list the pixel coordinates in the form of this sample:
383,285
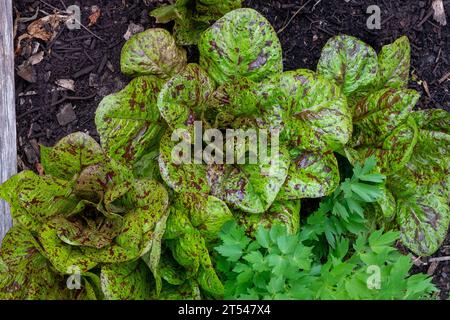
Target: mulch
45,113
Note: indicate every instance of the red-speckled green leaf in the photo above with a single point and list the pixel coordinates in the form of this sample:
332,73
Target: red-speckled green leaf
71,155
394,152
250,187
235,99
311,175
183,177
422,187
285,212
26,273
63,257
350,62
394,63
206,213
152,52
152,258
36,199
209,9
97,232
380,113
192,17
424,219
128,121
314,111
144,210
126,281
182,99
240,44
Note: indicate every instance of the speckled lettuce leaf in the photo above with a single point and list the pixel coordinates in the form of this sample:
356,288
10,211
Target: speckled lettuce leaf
235,99
424,219
152,52
422,187
187,31
183,177
63,257
36,199
394,152
250,187
432,120
126,281
97,232
394,62
192,17
186,291
176,9
150,201
380,113
170,271
182,99
152,258
385,207
214,9
27,273
128,121
314,111
206,213
311,175
350,62
285,212
240,44
71,155
189,250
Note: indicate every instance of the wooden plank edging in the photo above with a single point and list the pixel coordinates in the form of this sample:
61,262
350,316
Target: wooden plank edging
8,147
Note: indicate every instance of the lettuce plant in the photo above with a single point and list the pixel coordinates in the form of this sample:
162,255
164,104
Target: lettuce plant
86,215
192,17
411,147
137,224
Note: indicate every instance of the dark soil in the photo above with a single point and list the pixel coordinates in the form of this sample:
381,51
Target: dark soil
93,63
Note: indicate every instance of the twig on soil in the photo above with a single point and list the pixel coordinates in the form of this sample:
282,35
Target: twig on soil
444,77
417,261
439,259
294,15
426,88
64,98
315,4
425,18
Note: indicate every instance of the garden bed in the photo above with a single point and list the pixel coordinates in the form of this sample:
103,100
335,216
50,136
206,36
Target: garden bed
46,112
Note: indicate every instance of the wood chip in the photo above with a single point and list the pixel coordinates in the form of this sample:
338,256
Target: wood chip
132,29
432,268
67,84
439,12
27,72
96,12
425,87
36,58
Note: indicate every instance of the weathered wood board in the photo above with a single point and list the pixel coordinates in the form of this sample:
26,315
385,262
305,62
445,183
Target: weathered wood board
8,147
